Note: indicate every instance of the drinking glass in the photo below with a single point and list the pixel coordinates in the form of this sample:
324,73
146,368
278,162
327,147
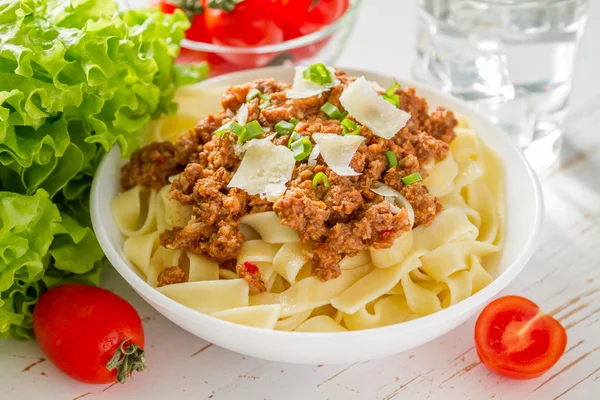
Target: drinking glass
511,59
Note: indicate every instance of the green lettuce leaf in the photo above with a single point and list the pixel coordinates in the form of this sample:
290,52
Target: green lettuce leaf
76,78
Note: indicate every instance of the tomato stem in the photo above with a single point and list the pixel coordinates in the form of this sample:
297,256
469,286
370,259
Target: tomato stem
127,360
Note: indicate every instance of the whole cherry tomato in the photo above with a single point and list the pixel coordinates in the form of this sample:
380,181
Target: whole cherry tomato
248,23
301,17
514,338
89,333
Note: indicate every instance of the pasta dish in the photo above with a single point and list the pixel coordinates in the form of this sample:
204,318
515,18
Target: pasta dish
325,205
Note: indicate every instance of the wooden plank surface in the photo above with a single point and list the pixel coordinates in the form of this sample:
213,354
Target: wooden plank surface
563,277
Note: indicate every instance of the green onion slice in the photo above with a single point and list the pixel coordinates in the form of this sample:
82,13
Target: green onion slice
391,159
253,130
349,127
390,94
392,89
301,148
294,121
266,101
412,178
284,128
293,138
231,126
392,98
252,94
332,111
318,73
320,176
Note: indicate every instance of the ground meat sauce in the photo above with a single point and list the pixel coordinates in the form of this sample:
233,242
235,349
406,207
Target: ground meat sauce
250,273
171,275
340,220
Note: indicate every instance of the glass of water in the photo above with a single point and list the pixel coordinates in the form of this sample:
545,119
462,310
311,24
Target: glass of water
511,59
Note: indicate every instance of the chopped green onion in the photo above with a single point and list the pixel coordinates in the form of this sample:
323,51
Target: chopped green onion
301,148
320,176
390,94
284,128
318,73
392,98
255,92
392,89
332,111
266,101
252,94
294,121
294,137
231,126
412,178
349,127
391,159
253,130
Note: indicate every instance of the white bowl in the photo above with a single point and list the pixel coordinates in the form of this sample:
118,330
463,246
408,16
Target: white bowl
524,210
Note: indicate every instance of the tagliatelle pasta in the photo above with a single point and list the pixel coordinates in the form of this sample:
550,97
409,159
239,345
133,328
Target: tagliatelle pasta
426,269
401,225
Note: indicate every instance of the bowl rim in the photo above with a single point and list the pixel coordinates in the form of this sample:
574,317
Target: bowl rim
291,44
528,247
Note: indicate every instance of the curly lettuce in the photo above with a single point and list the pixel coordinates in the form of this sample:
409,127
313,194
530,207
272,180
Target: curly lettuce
76,78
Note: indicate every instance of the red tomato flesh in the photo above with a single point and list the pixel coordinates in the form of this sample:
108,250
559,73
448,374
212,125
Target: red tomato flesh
514,338
80,327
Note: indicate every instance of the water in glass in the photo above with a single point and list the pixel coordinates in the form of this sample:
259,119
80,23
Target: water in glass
513,59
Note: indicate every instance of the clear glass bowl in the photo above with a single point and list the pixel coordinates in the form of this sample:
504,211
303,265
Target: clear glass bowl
324,45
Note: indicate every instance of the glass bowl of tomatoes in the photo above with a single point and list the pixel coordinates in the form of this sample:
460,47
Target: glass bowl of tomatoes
233,35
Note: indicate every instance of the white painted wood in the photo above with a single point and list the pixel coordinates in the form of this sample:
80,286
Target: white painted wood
563,277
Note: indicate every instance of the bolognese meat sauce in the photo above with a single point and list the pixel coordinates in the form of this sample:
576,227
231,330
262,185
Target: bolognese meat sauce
341,219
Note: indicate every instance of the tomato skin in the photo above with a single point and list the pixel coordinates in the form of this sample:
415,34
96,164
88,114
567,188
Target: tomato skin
80,327
515,339
251,23
300,19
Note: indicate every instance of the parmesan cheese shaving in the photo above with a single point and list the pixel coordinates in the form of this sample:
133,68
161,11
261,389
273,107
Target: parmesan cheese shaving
387,192
302,88
362,102
242,115
338,151
264,170
314,154
393,207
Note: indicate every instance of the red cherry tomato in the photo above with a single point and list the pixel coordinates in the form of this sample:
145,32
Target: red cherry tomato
301,17
514,338
80,328
250,23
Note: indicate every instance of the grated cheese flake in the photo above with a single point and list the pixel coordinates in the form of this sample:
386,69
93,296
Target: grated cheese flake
242,115
338,151
362,102
264,170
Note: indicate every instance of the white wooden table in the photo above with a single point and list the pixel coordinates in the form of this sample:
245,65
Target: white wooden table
563,277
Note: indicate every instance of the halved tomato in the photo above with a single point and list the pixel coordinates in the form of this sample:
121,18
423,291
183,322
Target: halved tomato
516,339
